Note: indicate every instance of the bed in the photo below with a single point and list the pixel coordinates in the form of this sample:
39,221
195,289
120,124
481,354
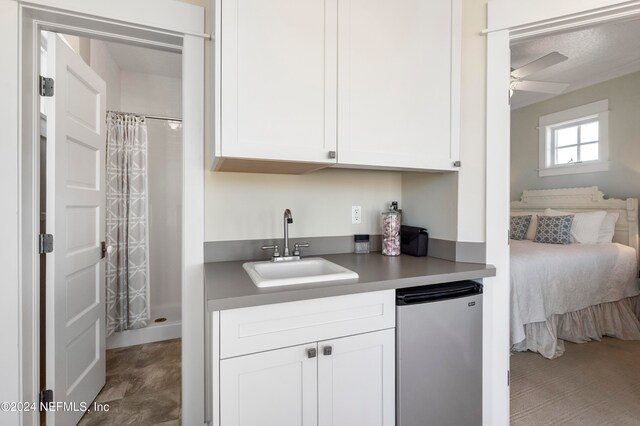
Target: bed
574,292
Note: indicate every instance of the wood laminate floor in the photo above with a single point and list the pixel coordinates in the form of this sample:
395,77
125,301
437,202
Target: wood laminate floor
143,386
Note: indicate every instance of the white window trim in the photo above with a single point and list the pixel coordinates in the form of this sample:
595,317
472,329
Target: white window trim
599,110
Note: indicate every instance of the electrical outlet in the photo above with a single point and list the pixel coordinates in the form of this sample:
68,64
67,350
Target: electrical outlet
356,214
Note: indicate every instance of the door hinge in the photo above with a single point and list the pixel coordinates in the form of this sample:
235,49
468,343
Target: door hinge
457,164
46,86
45,243
46,397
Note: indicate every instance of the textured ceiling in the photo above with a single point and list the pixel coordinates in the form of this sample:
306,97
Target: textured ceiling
595,54
144,60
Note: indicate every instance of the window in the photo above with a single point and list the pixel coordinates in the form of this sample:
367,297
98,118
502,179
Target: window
575,140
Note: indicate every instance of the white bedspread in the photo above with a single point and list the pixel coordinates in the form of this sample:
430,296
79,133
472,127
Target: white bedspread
549,279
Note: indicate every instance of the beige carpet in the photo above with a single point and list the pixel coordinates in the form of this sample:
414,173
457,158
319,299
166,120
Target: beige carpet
596,383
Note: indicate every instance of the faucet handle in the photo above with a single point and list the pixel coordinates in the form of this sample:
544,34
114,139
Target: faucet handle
296,248
274,247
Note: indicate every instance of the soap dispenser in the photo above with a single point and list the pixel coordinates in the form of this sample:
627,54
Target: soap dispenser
391,221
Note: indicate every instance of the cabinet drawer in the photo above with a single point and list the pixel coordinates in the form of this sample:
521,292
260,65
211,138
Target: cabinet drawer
261,328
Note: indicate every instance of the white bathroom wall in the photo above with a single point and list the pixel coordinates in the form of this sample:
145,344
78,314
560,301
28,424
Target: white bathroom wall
150,94
153,94
103,63
165,204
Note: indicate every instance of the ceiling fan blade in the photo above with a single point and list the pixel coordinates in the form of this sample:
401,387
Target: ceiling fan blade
540,86
539,64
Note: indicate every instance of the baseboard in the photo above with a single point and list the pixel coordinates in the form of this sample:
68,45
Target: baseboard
152,333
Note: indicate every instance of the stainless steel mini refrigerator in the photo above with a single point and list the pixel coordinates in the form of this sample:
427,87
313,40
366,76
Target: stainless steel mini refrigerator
439,355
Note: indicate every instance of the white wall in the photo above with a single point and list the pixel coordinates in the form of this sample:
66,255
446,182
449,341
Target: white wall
102,63
623,178
242,206
11,373
159,95
472,176
165,205
430,200
150,94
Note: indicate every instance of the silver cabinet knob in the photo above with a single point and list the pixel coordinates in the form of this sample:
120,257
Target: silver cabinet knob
332,154
327,350
311,353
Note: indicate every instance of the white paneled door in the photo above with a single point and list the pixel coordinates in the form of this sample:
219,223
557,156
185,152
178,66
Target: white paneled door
75,329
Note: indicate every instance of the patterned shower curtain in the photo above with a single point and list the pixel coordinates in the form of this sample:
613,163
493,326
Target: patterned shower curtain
127,268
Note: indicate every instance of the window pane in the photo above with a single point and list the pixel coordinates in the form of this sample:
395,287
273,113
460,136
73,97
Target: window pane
589,132
567,136
567,155
589,152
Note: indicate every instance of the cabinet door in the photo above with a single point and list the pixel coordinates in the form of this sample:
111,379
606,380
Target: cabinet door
356,382
279,79
277,387
394,83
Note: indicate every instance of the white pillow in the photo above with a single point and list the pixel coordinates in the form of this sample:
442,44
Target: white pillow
586,226
608,228
533,226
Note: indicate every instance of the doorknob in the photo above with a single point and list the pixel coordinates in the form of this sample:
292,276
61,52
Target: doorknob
107,250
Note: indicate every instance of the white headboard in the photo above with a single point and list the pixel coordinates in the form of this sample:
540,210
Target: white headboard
585,199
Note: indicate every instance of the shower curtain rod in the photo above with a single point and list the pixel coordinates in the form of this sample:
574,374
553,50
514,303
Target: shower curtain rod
151,117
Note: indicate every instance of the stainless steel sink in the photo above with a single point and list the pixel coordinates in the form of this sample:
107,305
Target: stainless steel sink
304,271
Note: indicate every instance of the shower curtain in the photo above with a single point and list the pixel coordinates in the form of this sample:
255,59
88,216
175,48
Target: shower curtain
127,267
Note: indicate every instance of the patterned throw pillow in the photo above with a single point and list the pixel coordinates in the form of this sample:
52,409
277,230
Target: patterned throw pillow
554,229
519,227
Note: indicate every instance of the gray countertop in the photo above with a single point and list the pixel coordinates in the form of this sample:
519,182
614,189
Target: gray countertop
228,286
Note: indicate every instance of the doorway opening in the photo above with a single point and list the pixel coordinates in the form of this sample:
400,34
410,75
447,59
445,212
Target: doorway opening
111,194
575,96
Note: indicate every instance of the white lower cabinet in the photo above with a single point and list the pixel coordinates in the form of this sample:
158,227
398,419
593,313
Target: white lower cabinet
326,362
343,382
356,382
276,387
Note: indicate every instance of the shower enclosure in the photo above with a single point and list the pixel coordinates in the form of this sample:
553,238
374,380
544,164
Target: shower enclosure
164,174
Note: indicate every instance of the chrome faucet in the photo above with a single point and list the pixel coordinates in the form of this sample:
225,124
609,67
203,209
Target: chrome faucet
287,220
286,254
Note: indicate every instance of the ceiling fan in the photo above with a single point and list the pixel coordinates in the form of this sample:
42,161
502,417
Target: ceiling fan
518,75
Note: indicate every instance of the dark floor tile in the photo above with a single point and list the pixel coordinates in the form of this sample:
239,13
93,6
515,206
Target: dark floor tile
154,378
101,418
115,387
142,388
149,409
121,359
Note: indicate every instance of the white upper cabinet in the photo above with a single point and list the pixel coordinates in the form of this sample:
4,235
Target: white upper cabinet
395,84
278,80
306,84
